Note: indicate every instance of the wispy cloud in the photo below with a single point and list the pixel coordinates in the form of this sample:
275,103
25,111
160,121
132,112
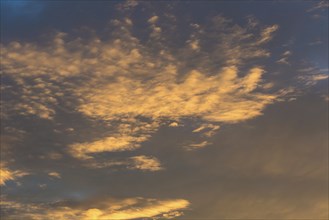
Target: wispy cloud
284,58
310,76
207,129
317,42
319,6
313,79
195,146
141,162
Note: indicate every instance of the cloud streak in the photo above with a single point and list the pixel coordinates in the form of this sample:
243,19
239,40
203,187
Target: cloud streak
130,208
141,162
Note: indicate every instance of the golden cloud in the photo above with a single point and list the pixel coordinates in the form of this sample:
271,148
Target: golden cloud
140,85
9,175
130,208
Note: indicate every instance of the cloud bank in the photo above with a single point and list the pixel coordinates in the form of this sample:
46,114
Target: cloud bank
138,86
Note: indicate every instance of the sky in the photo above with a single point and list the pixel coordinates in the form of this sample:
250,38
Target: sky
164,110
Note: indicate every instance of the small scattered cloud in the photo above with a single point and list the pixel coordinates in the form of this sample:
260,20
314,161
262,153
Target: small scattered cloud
42,186
127,5
287,53
207,130
141,162
284,58
173,124
267,34
194,44
153,19
7,174
55,174
195,146
145,163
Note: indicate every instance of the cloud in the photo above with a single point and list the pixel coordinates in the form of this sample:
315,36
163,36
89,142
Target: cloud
321,5
9,175
120,64
207,130
137,87
55,174
145,163
317,42
313,79
141,162
153,20
152,210
284,59
194,44
267,34
173,124
197,145
310,76
127,5
287,53
223,97
130,208
156,30
129,134
9,137
109,144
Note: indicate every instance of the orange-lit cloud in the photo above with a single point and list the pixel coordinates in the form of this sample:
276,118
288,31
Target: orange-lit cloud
128,135
121,80
145,163
9,175
130,208
110,144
